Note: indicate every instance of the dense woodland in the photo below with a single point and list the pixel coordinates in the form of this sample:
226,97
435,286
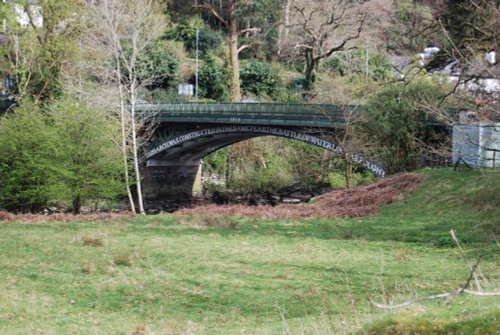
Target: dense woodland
69,134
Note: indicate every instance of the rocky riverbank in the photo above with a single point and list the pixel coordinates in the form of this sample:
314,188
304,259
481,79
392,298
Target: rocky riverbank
294,194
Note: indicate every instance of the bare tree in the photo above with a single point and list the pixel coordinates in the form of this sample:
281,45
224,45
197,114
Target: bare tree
320,28
346,137
124,29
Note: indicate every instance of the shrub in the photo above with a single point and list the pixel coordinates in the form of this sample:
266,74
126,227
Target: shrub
353,63
157,66
29,160
63,152
186,32
259,78
91,166
337,180
398,121
208,40
212,80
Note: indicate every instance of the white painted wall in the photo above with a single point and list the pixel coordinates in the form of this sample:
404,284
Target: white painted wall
476,144
23,18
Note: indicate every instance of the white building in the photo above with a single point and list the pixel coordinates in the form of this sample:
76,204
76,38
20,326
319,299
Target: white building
23,15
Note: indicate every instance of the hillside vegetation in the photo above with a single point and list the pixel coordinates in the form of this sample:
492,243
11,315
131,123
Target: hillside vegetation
206,274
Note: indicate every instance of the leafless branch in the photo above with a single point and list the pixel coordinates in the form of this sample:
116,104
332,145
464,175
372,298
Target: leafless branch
344,42
243,47
214,12
249,30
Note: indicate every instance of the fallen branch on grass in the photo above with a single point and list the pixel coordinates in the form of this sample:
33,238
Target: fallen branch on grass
449,295
437,296
412,302
483,294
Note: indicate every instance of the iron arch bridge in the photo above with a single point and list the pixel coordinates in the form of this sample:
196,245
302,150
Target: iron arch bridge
186,132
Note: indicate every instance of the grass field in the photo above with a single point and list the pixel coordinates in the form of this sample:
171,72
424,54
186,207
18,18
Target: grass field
168,274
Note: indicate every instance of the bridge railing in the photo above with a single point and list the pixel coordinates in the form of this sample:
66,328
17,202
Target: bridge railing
253,113
284,114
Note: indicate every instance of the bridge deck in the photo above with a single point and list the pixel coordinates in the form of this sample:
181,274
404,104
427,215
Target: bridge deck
283,114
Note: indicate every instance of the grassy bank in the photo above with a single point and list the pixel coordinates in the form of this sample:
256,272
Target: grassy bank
204,275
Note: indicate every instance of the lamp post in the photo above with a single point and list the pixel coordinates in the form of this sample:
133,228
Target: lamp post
197,62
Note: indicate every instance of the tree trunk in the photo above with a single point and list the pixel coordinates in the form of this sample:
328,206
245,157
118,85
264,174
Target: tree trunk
233,54
284,28
310,71
348,172
123,123
135,149
77,205
235,69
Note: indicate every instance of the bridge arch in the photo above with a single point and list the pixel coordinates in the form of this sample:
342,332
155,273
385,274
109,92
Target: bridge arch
189,148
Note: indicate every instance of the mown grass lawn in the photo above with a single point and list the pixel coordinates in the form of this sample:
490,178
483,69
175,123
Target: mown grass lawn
174,275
